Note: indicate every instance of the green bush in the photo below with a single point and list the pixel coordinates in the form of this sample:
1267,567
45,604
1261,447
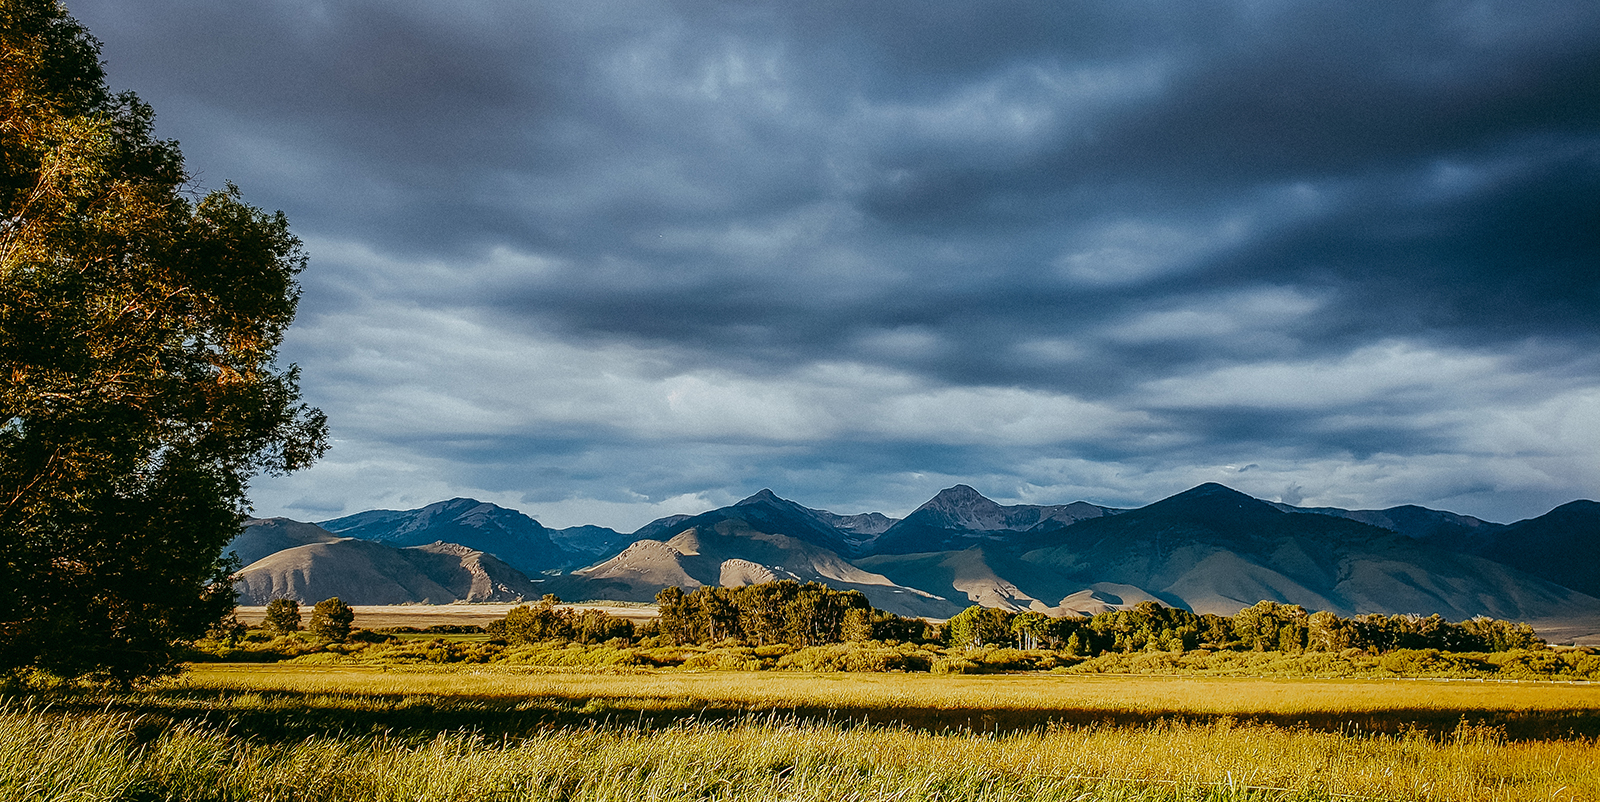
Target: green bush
725,659
865,656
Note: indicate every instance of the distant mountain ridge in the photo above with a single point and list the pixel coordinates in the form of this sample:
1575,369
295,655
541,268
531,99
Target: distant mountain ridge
511,536
1409,520
1209,549
1213,549
960,516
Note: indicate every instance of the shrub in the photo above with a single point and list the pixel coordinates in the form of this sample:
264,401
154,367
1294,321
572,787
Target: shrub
867,656
725,659
955,664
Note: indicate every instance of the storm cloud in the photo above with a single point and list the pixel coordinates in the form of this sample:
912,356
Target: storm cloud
612,260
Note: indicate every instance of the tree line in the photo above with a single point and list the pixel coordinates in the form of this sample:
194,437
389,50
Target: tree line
1265,626
813,614
785,611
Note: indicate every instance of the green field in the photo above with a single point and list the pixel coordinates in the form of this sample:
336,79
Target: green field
294,731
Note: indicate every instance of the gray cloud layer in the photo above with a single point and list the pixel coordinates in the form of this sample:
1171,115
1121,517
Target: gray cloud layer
603,261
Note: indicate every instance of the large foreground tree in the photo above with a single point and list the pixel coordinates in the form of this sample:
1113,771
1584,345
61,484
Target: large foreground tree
139,323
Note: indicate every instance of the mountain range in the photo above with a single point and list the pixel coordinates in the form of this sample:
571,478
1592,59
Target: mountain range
1208,549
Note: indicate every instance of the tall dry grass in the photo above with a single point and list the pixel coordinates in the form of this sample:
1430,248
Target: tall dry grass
55,757
1026,698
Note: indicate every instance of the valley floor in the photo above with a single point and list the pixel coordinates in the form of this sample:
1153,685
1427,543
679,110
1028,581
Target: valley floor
293,731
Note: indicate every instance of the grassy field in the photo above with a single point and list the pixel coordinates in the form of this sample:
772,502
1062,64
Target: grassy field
295,731
978,702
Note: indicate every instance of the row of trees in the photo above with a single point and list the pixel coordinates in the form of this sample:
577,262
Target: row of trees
1266,626
785,611
813,614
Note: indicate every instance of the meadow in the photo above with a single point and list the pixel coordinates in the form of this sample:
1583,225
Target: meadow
295,731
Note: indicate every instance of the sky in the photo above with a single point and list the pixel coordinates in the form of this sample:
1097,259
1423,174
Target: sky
607,261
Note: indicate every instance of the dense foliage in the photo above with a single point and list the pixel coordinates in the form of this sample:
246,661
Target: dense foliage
547,622
138,392
331,619
812,614
283,617
1265,626
776,612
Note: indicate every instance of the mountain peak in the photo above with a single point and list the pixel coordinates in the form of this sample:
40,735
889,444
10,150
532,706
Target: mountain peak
1212,489
1216,503
766,495
957,497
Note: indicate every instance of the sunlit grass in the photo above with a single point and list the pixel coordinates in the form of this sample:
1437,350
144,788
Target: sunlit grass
760,691
339,732
101,756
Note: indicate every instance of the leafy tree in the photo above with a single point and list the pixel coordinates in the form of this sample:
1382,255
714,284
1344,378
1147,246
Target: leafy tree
1327,632
331,619
1074,646
535,623
1147,626
761,611
887,626
138,333
283,616
816,613
977,625
1491,635
1034,630
673,620
857,626
598,626
784,611
1270,626
1215,630
716,616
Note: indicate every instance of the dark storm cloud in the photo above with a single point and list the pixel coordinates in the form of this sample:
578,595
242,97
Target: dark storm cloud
1088,247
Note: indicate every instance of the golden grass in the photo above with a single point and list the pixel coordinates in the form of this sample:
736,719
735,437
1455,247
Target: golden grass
97,757
761,691
339,732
